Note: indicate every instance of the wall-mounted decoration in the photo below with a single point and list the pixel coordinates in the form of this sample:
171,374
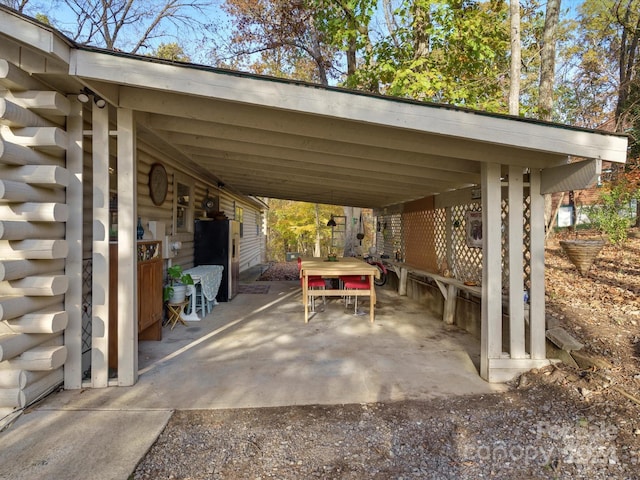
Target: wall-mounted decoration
210,204
473,225
158,183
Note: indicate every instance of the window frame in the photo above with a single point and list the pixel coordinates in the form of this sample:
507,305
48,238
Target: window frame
181,185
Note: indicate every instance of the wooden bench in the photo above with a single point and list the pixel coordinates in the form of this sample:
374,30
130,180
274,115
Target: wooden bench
449,287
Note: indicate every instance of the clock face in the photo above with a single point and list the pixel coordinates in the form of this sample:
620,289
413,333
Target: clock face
158,183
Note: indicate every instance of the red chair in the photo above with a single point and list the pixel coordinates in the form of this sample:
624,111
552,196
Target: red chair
354,282
314,281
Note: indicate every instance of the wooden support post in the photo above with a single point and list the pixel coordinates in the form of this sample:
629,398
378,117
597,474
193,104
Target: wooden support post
491,329
537,322
402,284
73,268
127,267
449,313
516,264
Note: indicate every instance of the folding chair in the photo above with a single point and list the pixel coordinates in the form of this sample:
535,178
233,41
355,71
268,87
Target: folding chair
352,282
315,281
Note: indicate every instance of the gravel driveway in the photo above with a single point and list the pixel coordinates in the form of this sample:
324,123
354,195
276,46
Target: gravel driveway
558,422
555,424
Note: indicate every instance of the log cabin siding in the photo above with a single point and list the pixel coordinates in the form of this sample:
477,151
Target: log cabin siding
33,247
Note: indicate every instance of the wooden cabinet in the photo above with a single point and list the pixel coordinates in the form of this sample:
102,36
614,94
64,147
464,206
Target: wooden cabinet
149,291
150,305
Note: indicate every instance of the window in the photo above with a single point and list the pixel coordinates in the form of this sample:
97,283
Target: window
183,205
240,218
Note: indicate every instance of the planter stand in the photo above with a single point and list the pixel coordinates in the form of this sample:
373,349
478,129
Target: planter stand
582,253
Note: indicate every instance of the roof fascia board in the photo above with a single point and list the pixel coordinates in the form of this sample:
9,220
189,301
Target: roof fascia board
448,122
573,176
35,35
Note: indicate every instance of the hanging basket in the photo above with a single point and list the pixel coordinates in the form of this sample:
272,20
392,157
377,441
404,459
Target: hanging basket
582,253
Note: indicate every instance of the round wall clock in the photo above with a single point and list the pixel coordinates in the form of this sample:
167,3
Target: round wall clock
158,183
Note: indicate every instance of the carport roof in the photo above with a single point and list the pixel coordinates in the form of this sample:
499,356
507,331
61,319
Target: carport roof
263,136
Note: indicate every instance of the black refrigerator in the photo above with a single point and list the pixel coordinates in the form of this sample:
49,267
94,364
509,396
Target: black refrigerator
217,242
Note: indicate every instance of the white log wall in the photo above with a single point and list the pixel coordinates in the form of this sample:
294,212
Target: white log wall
252,244
33,248
38,289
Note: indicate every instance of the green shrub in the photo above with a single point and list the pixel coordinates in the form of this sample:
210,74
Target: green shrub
613,215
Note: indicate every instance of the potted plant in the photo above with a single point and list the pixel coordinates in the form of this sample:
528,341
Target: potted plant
580,251
176,290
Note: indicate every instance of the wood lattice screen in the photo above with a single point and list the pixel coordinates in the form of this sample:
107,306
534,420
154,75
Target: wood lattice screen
424,241
465,261
424,237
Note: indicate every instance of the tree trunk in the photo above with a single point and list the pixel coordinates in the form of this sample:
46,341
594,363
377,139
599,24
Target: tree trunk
547,77
421,20
548,60
514,86
316,249
627,60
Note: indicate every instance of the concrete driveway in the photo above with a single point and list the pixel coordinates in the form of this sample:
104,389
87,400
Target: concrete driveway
255,351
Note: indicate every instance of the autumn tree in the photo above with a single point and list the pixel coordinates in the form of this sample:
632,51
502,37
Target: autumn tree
293,227
449,51
345,27
278,38
18,5
171,51
128,25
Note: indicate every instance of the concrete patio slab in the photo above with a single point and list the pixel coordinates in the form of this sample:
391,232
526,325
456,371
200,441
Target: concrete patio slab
255,351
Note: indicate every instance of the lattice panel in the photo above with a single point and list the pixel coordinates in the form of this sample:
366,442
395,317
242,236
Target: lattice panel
526,209
465,262
389,238
440,233
87,271
504,215
421,238
526,244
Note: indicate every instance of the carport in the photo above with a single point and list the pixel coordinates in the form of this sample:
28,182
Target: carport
421,167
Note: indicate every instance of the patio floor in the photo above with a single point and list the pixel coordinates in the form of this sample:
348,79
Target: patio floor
254,351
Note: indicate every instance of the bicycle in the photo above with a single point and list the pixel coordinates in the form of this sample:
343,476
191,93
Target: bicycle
381,268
